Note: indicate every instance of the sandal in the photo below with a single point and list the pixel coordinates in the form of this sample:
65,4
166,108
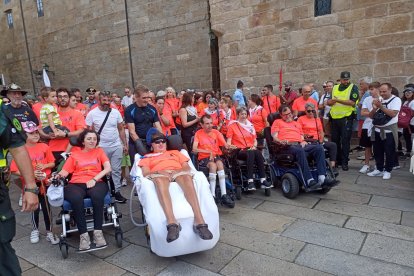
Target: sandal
202,231
173,231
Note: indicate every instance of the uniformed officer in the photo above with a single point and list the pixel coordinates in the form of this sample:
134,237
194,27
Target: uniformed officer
344,96
11,138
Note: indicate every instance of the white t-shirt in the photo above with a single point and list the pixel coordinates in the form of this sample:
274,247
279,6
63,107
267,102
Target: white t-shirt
324,99
367,103
109,135
394,104
126,101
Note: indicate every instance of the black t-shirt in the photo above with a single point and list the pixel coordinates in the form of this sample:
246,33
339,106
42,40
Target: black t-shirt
24,113
142,117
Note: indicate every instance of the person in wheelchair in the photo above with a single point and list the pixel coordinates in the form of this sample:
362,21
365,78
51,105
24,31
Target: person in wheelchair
313,132
164,166
207,143
86,181
241,135
289,135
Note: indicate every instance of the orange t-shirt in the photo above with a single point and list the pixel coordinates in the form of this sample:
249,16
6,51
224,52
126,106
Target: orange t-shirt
167,111
226,118
271,103
85,165
240,137
299,103
169,160
36,109
258,117
309,126
291,131
209,141
166,130
214,116
121,109
82,108
172,103
73,120
200,108
39,154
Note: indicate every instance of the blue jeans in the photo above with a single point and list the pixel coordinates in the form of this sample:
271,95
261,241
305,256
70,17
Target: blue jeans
301,154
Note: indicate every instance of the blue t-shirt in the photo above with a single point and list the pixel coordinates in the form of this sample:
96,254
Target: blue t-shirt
238,97
315,95
142,117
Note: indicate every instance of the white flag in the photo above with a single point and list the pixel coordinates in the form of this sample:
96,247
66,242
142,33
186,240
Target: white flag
46,80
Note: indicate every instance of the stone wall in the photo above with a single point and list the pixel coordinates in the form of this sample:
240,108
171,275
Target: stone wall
85,43
369,38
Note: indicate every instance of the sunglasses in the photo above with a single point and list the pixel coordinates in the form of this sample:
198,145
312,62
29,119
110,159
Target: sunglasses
310,110
160,141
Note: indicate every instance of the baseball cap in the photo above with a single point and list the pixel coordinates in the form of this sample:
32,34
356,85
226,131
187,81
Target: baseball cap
409,89
90,90
55,195
29,127
345,75
12,87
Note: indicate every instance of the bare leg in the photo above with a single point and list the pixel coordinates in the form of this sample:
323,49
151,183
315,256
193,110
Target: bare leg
368,154
187,185
162,185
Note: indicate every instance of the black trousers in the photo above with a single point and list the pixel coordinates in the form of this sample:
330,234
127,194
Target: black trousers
46,213
332,150
75,193
253,157
407,137
341,132
386,146
9,264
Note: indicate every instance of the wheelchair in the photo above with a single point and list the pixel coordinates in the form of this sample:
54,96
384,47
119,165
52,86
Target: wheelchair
289,174
153,218
66,218
230,189
239,168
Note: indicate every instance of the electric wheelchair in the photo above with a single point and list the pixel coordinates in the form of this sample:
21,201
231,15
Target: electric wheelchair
111,215
288,173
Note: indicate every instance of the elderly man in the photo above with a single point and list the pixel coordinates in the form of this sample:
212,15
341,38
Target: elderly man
324,108
299,103
127,100
207,143
386,131
344,97
108,123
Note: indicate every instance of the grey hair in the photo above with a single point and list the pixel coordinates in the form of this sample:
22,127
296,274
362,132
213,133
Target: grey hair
311,105
366,79
240,110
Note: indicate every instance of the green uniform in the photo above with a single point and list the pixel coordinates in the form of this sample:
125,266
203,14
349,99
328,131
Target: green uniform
10,137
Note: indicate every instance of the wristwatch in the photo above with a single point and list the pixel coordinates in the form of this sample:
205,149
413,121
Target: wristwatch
34,190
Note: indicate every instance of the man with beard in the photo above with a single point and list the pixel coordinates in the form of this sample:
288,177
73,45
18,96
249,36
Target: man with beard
290,95
107,122
71,118
271,103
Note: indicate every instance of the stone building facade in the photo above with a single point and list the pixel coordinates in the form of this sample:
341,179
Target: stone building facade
196,43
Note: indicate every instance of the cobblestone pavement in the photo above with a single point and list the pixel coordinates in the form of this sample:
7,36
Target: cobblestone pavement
364,226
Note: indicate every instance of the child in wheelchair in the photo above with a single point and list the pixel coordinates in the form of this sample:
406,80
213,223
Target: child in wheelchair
42,161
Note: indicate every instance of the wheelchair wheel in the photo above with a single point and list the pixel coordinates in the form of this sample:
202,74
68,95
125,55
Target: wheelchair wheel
290,186
238,192
118,238
64,249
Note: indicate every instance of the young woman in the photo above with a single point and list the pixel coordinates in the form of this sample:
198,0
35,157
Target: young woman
189,119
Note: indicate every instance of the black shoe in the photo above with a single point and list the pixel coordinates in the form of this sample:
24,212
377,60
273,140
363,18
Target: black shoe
330,182
251,186
266,185
173,231
227,201
313,184
119,198
345,167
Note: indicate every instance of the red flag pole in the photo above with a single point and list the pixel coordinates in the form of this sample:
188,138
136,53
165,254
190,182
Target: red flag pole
280,79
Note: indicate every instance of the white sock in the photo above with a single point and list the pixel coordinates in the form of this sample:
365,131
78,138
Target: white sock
262,180
222,182
321,179
212,180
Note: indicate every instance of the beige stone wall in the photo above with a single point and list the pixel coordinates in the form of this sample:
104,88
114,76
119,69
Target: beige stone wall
367,37
85,43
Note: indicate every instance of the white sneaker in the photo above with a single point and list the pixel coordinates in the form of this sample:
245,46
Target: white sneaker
386,176
124,182
364,169
51,238
21,200
34,236
375,173
396,167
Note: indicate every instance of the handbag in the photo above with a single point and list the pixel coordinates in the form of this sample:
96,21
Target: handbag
380,118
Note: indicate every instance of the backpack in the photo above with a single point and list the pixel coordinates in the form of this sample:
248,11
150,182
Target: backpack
404,117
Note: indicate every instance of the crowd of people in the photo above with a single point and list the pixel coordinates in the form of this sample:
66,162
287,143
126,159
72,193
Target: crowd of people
109,126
